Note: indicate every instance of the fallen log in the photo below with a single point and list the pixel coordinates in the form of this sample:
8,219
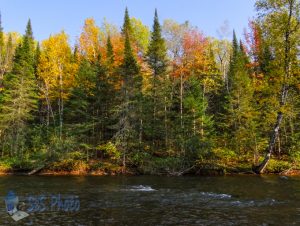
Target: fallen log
182,172
36,170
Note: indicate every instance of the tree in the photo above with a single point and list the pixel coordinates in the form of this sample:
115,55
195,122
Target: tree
197,143
88,107
89,40
129,126
240,113
6,53
109,52
56,70
280,19
157,59
127,27
19,99
140,36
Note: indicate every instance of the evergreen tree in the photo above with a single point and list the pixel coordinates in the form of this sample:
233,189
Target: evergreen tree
197,143
127,27
129,126
78,109
109,52
37,55
240,114
232,62
157,60
20,96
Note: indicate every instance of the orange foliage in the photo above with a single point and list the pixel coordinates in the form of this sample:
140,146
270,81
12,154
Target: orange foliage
194,54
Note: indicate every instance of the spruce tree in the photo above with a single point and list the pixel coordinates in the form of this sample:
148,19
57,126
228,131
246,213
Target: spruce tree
197,143
240,115
129,127
157,60
109,52
127,27
20,95
78,109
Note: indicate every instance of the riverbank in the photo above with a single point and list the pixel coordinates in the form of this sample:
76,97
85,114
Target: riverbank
106,168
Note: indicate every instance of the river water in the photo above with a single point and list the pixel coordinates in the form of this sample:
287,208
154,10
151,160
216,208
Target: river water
153,200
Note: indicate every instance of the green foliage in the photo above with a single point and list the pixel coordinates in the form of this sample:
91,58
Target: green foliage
157,51
156,98
19,98
76,155
162,165
224,154
173,99
19,164
110,151
278,166
109,52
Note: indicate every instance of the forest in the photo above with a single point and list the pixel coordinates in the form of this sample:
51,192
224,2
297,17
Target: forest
161,100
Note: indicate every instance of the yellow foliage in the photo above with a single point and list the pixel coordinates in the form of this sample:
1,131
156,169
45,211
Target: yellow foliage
89,43
56,68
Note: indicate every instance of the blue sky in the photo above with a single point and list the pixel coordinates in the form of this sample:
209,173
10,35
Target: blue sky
51,16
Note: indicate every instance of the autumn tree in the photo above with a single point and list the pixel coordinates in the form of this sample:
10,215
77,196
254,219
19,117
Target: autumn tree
280,20
89,43
56,70
6,53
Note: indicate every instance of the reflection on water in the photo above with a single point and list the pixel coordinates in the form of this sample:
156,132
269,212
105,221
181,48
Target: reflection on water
150,200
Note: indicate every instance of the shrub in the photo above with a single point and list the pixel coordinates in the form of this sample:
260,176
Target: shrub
110,151
277,166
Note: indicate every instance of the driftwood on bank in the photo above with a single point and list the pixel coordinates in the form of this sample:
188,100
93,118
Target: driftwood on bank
182,172
36,170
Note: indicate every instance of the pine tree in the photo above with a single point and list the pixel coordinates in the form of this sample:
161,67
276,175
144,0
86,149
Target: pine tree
197,143
240,114
20,96
157,60
79,108
129,126
232,62
127,27
109,52
37,55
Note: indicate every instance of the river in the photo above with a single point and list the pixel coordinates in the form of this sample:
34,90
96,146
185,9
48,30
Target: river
154,200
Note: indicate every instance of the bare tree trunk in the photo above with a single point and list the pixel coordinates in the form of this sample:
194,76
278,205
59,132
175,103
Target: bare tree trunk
261,167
